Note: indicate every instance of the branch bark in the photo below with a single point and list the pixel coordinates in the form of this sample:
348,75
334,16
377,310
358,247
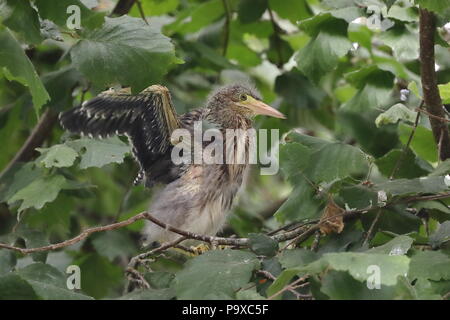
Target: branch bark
433,102
40,132
299,233
123,7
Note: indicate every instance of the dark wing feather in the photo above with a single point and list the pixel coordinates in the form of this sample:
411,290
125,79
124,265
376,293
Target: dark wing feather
148,119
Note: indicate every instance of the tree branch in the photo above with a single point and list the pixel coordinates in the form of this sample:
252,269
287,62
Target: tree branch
298,233
431,95
40,132
123,7
226,31
408,143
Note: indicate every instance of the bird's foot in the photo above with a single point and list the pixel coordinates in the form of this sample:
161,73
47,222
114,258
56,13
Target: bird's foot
200,249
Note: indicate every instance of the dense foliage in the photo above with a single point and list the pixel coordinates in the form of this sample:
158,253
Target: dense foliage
347,75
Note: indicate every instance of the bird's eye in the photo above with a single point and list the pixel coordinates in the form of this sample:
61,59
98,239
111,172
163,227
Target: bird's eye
243,97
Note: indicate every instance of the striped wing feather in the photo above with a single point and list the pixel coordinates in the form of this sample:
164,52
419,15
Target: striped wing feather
147,119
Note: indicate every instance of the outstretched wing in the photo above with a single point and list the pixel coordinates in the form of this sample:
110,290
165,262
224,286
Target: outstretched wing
148,119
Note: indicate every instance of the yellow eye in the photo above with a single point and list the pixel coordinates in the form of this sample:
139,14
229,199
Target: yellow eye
243,97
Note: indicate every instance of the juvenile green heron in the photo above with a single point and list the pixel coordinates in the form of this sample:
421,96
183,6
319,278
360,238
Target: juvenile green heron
196,197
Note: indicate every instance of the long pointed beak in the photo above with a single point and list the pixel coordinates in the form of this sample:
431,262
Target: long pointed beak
259,107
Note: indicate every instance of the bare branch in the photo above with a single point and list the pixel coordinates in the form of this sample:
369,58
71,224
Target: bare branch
408,143
298,233
433,101
78,238
123,7
226,35
40,132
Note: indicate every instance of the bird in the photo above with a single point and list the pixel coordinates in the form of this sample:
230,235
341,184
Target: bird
194,197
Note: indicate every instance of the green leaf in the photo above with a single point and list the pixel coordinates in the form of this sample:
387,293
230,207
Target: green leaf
410,186
410,167
361,34
294,158
338,285
114,244
58,156
50,292
395,113
95,283
423,142
374,86
8,261
195,18
444,91
159,279
39,192
263,245
389,3
433,5
22,178
397,246
13,287
322,53
56,11
297,258
215,275
251,10
34,239
432,265
150,294
442,169
287,84
301,204
119,51
330,160
155,7
358,197
22,18
42,272
48,282
60,85
412,86
15,65
282,280
97,153
249,294
357,264
403,41
441,235
294,10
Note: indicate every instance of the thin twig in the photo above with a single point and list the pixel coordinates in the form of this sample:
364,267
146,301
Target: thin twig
276,37
122,7
432,115
288,287
40,132
298,234
136,276
408,143
372,227
137,259
78,238
291,289
141,11
226,31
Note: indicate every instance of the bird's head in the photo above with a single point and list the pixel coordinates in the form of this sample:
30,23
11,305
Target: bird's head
241,99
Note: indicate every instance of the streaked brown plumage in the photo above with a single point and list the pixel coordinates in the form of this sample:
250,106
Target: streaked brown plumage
196,197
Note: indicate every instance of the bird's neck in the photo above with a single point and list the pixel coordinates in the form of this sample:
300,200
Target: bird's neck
230,119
